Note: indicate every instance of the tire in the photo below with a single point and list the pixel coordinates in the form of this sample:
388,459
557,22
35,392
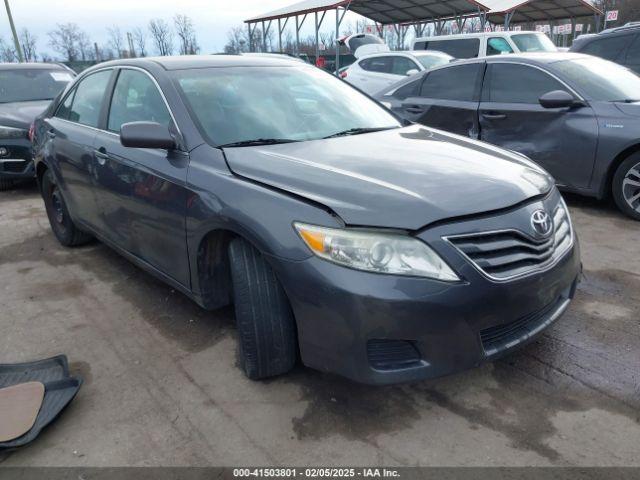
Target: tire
63,227
5,184
266,327
626,186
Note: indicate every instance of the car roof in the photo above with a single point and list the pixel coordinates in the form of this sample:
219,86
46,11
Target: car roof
186,62
31,66
461,36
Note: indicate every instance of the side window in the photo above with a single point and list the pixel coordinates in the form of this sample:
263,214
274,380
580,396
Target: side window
409,90
510,83
461,48
498,46
608,48
402,65
452,83
136,98
420,46
377,64
88,97
64,110
633,55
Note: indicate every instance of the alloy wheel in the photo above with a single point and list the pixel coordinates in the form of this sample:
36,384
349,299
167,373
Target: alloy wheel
631,187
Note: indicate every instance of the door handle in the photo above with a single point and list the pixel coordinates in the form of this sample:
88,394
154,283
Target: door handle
494,116
51,134
416,110
101,155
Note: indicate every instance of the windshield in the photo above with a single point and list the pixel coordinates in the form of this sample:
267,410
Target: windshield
433,61
241,104
601,80
533,42
32,85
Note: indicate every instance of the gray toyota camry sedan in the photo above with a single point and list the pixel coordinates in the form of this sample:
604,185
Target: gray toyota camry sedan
381,252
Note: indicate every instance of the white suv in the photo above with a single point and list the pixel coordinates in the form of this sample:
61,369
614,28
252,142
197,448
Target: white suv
378,71
474,45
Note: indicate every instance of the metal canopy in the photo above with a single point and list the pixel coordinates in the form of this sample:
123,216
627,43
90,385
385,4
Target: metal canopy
518,11
381,11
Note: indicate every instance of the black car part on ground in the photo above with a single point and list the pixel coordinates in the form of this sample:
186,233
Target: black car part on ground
60,389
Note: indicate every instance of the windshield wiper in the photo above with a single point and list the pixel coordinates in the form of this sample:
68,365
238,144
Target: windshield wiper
628,100
258,141
359,131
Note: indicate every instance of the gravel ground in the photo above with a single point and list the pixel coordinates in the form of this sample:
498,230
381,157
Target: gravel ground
162,386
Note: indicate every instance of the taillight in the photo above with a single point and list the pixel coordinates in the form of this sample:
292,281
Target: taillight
32,132
343,74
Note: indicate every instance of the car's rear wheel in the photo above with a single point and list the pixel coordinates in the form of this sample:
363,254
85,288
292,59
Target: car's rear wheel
5,184
266,326
63,227
626,186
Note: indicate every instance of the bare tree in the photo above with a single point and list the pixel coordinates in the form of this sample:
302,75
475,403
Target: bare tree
236,40
7,52
28,43
161,35
116,41
187,35
64,40
85,47
140,41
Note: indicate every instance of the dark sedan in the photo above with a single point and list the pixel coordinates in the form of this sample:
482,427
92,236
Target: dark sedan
576,115
334,231
25,92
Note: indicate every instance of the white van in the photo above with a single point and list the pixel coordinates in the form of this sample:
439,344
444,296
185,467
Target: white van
474,45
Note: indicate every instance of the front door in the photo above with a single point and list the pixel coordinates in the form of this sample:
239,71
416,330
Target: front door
448,100
562,140
142,192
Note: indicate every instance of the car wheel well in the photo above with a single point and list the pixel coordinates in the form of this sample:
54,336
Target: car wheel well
214,274
621,157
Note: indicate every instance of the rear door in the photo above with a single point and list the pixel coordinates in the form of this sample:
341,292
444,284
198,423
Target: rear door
633,55
448,99
70,135
375,74
562,140
142,192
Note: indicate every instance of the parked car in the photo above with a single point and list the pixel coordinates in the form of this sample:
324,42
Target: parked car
486,44
577,116
620,45
376,72
333,230
25,92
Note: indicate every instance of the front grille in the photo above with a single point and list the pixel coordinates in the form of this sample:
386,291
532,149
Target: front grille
501,337
507,254
392,354
14,167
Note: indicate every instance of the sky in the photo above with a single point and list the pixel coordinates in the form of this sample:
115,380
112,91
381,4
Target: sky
212,18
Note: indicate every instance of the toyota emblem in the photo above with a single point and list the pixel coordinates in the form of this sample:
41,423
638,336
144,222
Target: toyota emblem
542,223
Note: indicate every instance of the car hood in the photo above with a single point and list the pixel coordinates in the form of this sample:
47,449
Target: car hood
21,114
403,178
632,109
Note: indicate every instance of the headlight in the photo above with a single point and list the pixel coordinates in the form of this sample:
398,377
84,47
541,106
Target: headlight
375,252
10,133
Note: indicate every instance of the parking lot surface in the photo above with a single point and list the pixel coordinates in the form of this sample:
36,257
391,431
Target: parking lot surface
162,386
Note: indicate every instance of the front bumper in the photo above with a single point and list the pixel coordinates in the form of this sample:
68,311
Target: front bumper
350,322
17,163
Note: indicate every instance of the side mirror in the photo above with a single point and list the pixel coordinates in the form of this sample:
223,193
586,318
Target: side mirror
146,135
413,71
558,99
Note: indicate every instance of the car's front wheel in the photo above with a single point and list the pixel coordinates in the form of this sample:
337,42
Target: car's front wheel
63,227
266,326
5,184
626,186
